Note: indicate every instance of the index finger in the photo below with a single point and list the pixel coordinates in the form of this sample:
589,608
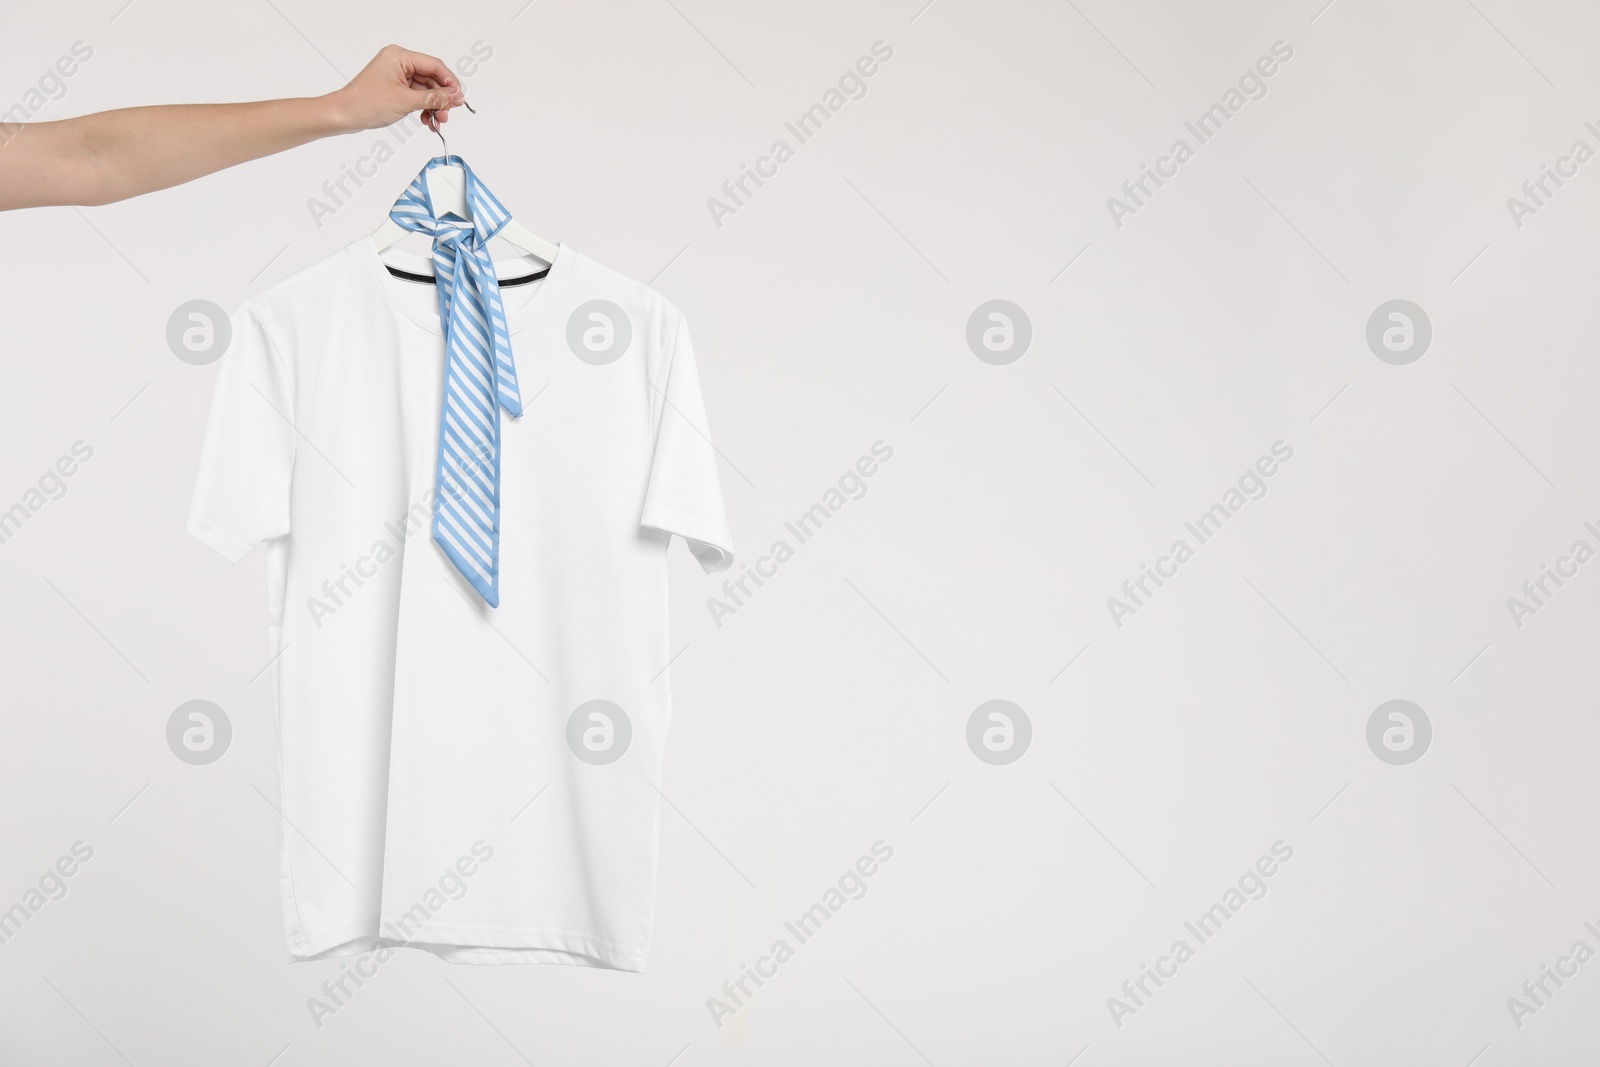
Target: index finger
431,67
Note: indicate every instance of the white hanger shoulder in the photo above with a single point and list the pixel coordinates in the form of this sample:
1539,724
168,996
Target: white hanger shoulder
447,188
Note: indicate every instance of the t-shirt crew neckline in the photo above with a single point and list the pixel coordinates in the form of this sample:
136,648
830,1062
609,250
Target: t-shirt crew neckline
518,316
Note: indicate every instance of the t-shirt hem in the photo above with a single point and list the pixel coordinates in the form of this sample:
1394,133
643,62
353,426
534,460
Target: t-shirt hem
480,945
231,548
304,948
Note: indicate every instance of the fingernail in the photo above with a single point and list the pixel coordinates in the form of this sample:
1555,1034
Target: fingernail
456,97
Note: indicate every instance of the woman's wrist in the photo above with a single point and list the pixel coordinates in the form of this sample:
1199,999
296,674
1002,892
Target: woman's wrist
332,113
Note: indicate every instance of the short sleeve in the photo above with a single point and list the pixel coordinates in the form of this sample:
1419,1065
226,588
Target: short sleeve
241,495
685,496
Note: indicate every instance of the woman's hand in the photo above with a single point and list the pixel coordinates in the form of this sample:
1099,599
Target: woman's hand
112,155
397,82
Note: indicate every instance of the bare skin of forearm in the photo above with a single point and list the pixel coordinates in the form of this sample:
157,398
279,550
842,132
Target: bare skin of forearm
112,155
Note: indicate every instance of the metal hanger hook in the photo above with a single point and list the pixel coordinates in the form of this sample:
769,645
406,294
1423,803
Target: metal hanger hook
432,122
434,125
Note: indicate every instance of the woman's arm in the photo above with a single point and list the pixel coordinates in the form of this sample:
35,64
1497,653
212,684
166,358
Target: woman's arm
112,155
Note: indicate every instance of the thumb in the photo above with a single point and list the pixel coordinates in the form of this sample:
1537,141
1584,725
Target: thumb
430,99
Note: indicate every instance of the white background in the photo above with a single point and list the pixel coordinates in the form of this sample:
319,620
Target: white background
830,712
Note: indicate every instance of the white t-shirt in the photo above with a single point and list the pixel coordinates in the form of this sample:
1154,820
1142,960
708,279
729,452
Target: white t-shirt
417,725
